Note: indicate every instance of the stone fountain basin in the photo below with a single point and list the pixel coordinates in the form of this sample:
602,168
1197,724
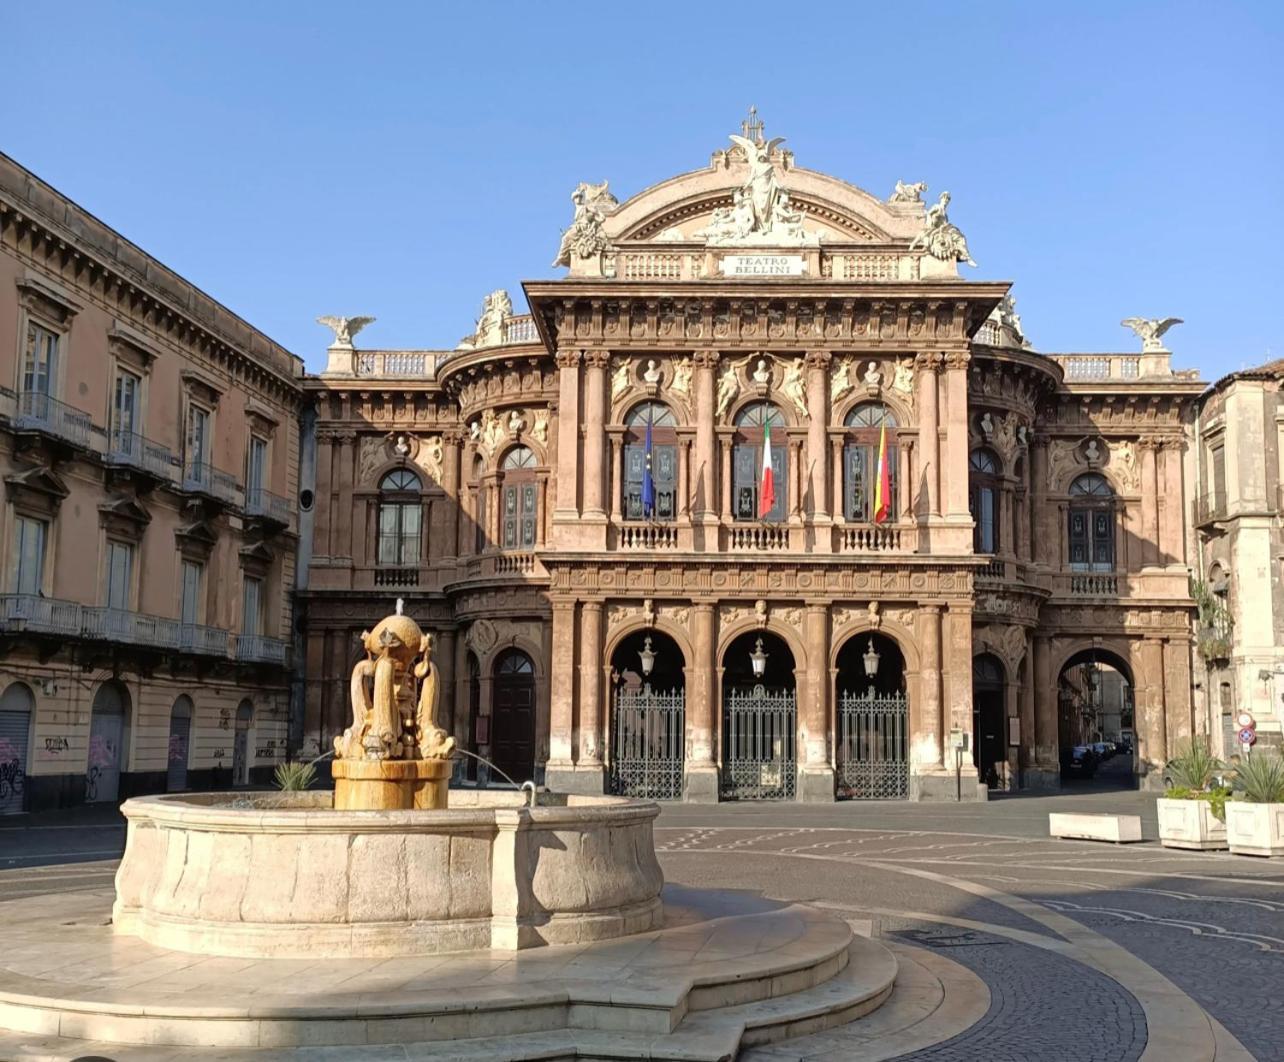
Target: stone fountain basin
281,875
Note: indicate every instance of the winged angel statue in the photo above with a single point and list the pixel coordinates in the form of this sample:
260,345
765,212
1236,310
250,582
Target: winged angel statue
761,206
1151,330
344,328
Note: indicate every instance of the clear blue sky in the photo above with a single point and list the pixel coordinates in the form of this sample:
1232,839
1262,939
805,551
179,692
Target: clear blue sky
402,160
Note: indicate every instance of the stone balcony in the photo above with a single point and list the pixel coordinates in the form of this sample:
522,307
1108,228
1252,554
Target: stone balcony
128,449
260,649
42,414
265,507
202,478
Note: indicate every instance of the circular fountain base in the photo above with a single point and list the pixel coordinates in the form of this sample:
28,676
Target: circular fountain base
289,876
390,785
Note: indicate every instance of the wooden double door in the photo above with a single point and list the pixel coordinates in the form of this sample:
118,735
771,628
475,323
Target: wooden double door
512,735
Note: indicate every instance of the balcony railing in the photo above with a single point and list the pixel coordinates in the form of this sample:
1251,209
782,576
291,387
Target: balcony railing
1099,366
396,577
40,615
759,538
208,641
1094,584
268,506
875,538
992,569
199,477
1212,506
40,412
648,536
515,564
132,450
260,649
130,628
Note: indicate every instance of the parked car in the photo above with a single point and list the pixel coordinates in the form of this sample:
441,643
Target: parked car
1103,749
1080,760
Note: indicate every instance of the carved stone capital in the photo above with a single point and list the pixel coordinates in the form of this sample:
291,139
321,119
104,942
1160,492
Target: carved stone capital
706,359
567,359
928,361
957,359
818,359
597,359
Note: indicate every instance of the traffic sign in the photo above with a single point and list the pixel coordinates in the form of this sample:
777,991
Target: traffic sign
1247,736
1244,719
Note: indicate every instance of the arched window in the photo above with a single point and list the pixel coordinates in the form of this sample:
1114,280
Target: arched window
663,460
518,499
753,424
864,426
983,500
1092,524
400,518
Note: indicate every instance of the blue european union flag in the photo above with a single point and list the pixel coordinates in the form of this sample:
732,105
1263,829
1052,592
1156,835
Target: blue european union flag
648,478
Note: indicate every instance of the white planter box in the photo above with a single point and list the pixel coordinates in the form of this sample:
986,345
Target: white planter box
1190,824
1255,829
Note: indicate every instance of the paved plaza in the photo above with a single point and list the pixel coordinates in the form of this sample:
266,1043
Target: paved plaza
1011,945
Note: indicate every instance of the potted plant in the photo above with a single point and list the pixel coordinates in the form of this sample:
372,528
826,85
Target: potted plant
1192,811
1255,818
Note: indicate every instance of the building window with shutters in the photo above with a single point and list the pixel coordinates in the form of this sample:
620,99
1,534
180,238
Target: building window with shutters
664,462
1092,524
119,590
192,578
518,499
252,606
400,519
753,424
30,537
864,432
256,471
40,361
984,484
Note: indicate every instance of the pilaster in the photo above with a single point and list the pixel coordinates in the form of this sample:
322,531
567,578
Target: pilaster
568,435
816,772
700,778
816,505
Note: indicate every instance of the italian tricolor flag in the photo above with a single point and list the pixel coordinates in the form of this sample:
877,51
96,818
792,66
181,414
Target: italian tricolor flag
767,486
883,484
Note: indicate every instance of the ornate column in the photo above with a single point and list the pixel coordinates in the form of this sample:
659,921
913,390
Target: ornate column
904,453
560,770
816,773
617,477
1172,539
954,467
1149,503
929,432
1150,723
725,505
927,724
706,454
700,778
684,477
542,512
451,441
817,507
589,771
568,435
1046,772
839,511
594,473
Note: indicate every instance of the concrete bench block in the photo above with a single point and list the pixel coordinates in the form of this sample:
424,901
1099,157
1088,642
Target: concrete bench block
1120,829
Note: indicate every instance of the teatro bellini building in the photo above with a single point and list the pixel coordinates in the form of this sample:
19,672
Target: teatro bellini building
676,642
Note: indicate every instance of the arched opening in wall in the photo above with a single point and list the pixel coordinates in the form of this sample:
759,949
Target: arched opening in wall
756,425
400,519
759,719
650,446
989,752
180,735
474,714
519,506
648,717
1096,718
984,485
17,707
242,743
873,719
512,724
108,738
1091,532
864,426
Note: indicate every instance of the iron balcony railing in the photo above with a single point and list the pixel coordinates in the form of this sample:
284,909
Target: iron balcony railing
39,615
132,450
200,477
207,641
259,649
41,412
268,506
130,628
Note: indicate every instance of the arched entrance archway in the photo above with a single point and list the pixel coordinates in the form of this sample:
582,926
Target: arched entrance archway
108,735
180,733
17,706
759,719
1095,710
242,743
988,752
873,719
648,717
512,737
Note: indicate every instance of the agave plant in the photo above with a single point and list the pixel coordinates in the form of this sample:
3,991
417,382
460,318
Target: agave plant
1260,779
293,776
1195,768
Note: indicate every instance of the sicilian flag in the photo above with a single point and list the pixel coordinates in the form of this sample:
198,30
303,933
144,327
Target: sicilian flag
883,485
648,478
767,486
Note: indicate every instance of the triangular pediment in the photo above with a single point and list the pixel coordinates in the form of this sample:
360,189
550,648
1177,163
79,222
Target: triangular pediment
40,480
125,507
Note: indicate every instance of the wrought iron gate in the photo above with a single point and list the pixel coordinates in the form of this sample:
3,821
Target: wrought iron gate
648,738
758,728
873,746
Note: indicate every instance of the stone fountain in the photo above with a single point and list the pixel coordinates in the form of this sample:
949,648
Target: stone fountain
379,880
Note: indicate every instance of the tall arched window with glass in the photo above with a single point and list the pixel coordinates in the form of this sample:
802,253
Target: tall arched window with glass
400,518
518,499
984,483
664,462
864,424
753,424
1092,524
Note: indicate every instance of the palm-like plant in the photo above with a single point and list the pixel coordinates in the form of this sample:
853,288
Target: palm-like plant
1195,768
1260,779
293,776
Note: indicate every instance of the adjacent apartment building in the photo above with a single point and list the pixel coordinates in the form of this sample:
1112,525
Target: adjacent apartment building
149,456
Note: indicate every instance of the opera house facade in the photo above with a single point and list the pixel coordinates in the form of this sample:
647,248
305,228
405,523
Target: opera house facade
762,499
